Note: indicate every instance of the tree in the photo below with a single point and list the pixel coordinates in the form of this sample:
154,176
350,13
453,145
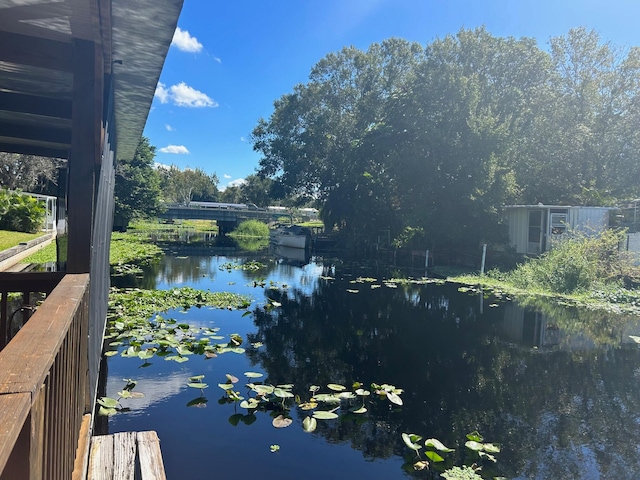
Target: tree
28,172
137,186
183,186
257,189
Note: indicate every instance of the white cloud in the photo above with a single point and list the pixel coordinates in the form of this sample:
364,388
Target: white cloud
237,182
178,149
162,93
243,139
182,95
161,166
185,96
185,42
226,175
169,128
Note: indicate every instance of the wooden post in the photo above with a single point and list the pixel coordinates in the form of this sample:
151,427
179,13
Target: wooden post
86,119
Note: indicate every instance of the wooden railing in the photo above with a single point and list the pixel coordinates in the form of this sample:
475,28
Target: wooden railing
43,385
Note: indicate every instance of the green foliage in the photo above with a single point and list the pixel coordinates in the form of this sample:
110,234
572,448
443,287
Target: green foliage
251,228
183,186
410,237
137,186
20,213
576,263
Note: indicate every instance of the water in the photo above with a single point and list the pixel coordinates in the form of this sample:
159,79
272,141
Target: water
556,387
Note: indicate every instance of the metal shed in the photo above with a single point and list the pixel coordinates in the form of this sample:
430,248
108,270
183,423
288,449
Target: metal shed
532,228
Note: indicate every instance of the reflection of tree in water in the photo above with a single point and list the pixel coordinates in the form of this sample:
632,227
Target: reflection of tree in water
556,412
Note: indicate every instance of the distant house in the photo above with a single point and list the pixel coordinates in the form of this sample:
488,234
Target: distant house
532,228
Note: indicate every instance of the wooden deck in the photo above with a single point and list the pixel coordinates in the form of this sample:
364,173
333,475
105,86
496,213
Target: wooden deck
126,456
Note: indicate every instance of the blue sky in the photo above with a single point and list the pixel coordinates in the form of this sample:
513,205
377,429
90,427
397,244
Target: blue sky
229,61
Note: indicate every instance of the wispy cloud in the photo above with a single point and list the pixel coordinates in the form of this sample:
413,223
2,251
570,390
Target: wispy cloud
185,42
169,128
182,95
226,175
177,149
243,139
237,182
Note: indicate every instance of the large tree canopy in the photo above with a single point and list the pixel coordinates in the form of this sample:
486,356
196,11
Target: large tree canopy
441,137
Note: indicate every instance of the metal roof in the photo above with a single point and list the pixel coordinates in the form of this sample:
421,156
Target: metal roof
37,61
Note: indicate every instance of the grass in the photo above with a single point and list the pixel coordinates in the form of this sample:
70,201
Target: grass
155,226
10,239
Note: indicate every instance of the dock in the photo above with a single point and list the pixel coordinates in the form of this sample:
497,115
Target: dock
126,456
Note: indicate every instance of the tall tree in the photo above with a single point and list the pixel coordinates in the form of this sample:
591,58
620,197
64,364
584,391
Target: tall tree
137,186
183,186
28,172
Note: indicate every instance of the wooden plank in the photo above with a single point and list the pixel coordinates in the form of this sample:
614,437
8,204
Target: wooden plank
101,458
81,463
35,105
151,465
124,455
27,358
16,133
29,281
14,410
36,52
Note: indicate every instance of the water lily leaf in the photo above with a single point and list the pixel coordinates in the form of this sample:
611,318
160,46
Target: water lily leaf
198,402
473,445
282,393
253,374
421,465
286,386
231,378
108,402
475,436
347,395
237,350
491,448
276,304
488,456
411,440
393,398
111,353
226,386
249,403
184,350
249,419
263,389
362,392
124,394
350,290
136,395
437,444
196,378
433,456
210,355
106,411
326,397
324,415
314,388
309,424
145,354
197,385
274,448
308,405
359,410
281,421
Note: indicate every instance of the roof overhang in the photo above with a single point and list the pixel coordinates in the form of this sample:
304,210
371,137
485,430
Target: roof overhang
37,62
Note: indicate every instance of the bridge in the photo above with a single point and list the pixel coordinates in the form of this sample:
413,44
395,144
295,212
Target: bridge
226,218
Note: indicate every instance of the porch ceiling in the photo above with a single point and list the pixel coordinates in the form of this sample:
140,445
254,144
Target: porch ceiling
37,64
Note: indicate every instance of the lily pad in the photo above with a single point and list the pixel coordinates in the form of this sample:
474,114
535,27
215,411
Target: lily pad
253,374
324,415
437,444
309,424
281,421
411,440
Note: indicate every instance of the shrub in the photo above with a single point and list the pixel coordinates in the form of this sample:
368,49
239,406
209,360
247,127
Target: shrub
251,228
576,263
20,213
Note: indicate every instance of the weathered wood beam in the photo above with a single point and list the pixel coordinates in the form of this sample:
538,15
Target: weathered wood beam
36,105
33,150
85,151
32,132
36,52
30,281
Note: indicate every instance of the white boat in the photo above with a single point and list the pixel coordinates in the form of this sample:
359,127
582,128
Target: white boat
293,236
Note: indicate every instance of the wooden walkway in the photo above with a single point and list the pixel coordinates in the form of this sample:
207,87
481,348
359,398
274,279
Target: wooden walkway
126,456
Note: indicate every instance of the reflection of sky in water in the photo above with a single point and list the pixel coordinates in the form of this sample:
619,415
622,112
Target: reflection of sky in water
558,388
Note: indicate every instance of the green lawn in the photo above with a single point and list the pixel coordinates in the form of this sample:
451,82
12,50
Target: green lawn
11,239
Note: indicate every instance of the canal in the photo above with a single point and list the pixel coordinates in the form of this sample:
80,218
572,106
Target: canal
556,387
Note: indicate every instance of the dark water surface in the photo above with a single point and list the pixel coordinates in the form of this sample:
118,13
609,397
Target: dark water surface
556,387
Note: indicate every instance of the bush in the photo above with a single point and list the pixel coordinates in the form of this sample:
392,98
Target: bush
577,263
251,228
20,213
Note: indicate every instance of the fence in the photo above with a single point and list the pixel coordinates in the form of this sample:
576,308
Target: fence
43,382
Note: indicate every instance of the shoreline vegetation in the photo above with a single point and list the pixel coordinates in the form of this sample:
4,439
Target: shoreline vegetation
581,270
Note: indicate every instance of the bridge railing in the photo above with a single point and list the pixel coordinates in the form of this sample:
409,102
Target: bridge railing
43,385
